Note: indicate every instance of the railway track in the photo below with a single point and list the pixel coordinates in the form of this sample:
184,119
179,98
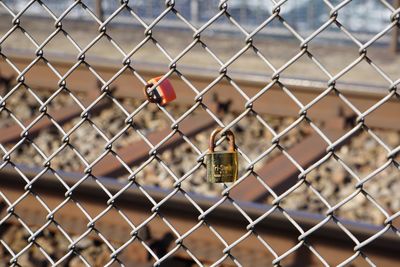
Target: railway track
182,214
331,111
82,80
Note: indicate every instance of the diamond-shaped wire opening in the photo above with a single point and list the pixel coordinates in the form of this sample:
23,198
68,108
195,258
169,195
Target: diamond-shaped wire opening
218,43
277,52
39,30
39,69
201,58
111,166
304,67
155,175
78,205
177,29
231,235
84,132
381,58
26,153
177,218
53,241
22,104
362,154
272,237
379,188
126,37
61,102
133,254
69,159
227,95
93,249
363,72
86,31
346,249
82,91
196,127
39,140
17,41
351,210
199,243
109,120
250,251
339,54
307,18
150,52
160,238
6,18
61,40
249,128
12,236
331,114
371,10
267,102
127,88
289,136
113,227
33,216
251,62
178,165
303,198
105,47
14,239
387,110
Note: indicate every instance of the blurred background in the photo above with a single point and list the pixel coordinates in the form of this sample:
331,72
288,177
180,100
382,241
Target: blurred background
319,141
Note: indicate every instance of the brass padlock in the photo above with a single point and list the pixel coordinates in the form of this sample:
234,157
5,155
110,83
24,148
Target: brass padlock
222,166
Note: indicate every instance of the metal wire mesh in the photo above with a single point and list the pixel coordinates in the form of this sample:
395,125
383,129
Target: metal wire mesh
174,69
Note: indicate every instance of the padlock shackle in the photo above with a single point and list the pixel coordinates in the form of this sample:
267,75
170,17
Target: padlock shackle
150,97
229,135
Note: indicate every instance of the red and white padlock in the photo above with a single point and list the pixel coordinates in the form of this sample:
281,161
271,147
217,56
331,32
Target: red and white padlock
162,94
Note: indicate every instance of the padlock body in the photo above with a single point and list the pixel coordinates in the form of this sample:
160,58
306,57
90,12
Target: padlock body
222,167
164,92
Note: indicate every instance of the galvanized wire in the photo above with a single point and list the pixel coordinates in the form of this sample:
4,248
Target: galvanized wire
222,10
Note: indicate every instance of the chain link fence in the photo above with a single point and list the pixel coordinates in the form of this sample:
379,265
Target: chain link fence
194,168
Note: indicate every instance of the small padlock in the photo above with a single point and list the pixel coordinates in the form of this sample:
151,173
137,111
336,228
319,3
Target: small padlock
162,94
222,166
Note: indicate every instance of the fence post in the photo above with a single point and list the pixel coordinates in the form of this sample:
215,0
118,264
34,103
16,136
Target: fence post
394,43
194,11
99,9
